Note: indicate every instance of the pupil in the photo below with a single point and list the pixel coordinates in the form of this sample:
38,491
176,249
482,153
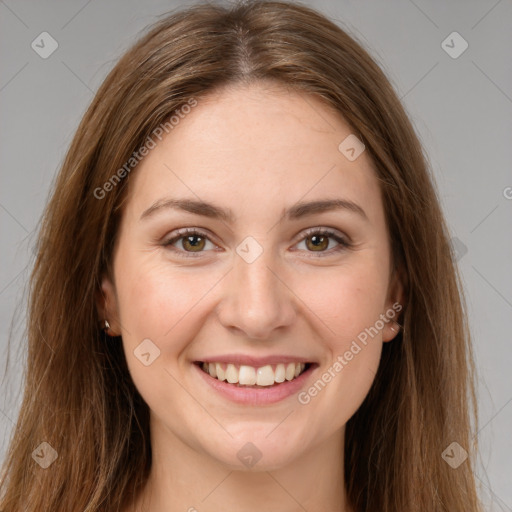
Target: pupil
196,244
318,241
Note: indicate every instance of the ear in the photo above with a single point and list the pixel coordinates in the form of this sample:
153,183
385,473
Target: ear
395,304
106,305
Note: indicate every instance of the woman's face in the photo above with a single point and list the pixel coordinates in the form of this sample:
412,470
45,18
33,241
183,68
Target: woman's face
254,286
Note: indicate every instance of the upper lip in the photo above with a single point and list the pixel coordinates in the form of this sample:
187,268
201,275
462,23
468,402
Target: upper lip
254,361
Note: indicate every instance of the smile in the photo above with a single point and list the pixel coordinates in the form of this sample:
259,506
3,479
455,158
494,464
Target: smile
263,376
259,385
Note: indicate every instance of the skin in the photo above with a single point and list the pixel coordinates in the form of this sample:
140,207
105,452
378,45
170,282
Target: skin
255,149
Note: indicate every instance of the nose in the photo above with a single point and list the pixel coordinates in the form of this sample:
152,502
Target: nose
257,300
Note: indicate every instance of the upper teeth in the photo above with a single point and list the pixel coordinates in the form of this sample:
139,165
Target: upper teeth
249,376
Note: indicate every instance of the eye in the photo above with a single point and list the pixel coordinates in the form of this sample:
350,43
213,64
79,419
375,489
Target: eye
192,241
316,240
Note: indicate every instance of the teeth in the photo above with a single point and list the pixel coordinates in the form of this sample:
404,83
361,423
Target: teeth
221,374
245,375
280,373
265,376
231,374
290,371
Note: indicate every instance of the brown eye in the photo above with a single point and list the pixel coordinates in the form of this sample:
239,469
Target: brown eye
318,242
191,242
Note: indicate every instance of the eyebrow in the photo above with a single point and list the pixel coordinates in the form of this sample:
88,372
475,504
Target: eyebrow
212,211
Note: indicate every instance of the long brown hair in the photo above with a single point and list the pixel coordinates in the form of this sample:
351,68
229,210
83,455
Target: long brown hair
78,394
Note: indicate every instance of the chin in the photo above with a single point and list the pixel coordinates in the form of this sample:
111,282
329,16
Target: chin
257,452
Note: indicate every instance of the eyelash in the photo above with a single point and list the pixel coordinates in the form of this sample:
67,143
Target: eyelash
182,233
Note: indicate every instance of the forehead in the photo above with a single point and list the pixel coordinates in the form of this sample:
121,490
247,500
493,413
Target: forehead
258,143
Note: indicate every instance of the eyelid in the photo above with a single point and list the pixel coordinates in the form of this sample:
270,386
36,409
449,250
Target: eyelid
332,232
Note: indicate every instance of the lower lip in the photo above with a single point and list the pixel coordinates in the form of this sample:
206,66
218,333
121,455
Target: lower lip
257,396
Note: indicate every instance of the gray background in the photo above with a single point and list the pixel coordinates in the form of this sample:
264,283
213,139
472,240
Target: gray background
461,108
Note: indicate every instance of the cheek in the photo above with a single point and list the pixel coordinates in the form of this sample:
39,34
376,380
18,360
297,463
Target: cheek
163,304
347,299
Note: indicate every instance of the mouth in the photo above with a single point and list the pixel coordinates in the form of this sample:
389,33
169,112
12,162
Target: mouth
245,376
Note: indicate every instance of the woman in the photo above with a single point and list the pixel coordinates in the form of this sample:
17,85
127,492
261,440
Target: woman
244,296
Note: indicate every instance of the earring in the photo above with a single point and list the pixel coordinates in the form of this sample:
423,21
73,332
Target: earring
396,327
106,328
